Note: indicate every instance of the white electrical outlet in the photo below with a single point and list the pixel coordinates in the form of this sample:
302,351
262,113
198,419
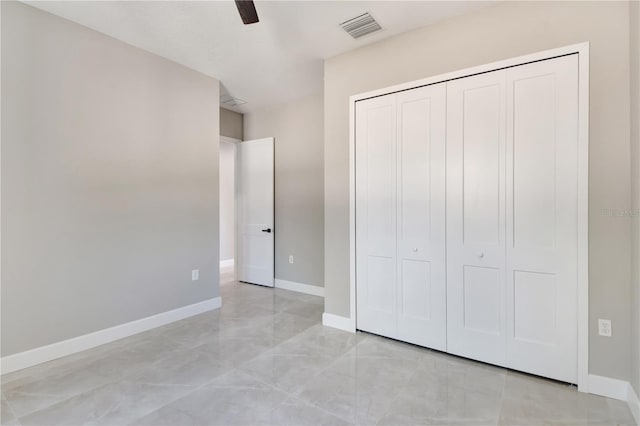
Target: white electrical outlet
290,258
604,327
195,275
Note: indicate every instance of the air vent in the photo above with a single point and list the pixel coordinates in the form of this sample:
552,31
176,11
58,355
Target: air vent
231,101
361,25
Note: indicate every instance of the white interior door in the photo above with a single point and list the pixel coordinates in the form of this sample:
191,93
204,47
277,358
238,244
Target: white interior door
421,249
255,209
376,215
476,303
542,202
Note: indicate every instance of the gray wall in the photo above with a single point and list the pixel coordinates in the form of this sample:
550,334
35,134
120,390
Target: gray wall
635,189
227,201
109,181
299,227
231,124
497,32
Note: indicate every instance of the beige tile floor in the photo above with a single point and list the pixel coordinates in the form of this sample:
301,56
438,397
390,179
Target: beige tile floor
265,359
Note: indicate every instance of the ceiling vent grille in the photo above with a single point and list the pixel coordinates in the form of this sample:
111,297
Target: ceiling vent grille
230,101
361,25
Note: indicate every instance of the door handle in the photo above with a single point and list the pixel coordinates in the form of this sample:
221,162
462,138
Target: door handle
268,230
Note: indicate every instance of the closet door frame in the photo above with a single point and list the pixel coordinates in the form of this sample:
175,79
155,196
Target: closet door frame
582,50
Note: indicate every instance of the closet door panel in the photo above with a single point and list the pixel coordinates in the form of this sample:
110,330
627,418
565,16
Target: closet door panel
476,217
481,299
542,147
481,161
421,248
376,215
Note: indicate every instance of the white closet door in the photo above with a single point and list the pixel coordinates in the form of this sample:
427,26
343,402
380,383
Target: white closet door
476,304
542,152
376,215
421,249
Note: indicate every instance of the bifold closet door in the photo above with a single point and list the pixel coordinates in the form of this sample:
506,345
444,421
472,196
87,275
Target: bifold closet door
376,215
421,243
542,201
476,303
466,216
400,216
512,156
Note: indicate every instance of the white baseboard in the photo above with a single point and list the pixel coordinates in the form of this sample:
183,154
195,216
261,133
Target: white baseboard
299,287
634,403
606,386
226,263
341,323
56,350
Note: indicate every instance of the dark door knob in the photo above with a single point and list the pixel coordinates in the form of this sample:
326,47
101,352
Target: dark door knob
267,230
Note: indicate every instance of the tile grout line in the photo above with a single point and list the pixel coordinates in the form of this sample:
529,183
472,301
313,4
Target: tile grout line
504,385
13,412
296,393
65,399
231,369
331,364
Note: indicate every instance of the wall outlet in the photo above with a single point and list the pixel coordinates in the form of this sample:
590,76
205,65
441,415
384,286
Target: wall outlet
195,275
290,258
604,327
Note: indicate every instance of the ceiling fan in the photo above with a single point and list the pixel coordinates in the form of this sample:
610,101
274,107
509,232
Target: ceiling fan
247,11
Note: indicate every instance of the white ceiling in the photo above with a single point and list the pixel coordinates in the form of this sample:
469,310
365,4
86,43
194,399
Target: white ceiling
274,61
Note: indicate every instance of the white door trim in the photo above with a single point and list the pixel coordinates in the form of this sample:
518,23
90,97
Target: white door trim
582,49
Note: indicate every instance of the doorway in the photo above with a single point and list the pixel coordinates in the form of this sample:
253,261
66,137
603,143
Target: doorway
227,208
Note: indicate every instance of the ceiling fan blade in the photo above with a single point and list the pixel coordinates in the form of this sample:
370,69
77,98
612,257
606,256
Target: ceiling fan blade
247,11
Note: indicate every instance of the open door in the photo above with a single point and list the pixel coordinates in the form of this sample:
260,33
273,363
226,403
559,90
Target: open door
255,207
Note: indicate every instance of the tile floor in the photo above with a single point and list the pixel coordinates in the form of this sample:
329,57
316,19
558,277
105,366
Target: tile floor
265,359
